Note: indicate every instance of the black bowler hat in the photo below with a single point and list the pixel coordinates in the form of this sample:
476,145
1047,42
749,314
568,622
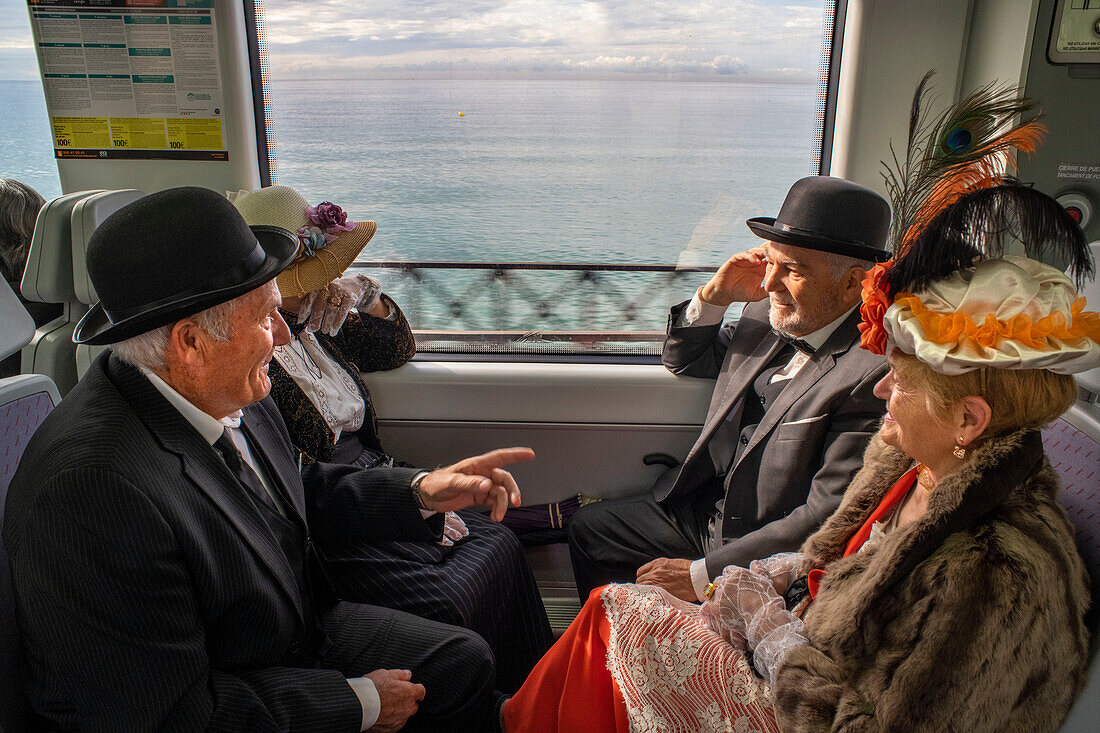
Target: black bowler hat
830,215
170,255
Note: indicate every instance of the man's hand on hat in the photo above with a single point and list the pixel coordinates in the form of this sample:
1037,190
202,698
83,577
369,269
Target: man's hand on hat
326,310
737,280
475,481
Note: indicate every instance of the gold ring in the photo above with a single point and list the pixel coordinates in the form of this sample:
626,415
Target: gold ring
335,300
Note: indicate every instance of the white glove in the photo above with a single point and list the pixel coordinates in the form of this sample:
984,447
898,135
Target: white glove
746,607
711,613
781,569
326,309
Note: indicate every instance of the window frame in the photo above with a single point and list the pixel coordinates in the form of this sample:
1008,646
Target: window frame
824,128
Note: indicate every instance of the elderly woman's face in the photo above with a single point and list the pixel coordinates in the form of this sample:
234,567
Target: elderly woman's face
908,424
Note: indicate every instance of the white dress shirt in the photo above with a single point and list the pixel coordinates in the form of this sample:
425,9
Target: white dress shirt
211,429
701,313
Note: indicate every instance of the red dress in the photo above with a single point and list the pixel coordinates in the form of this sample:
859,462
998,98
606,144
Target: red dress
677,674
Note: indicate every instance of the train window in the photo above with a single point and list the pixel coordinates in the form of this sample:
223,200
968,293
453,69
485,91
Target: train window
547,177
26,146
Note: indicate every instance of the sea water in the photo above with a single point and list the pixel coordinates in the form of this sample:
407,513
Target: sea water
546,171
505,171
502,171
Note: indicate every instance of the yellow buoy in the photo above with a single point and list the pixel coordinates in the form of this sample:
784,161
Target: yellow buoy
461,114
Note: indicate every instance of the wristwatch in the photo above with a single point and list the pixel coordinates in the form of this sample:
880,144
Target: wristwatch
415,484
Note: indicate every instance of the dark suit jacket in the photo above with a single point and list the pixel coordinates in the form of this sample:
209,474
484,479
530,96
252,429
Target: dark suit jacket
150,593
809,443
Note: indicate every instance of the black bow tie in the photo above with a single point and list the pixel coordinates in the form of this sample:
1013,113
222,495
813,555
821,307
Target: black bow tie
799,344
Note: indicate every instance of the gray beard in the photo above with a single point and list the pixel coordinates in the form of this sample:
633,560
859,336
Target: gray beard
797,324
789,324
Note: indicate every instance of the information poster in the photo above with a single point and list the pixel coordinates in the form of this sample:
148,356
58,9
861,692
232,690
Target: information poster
131,78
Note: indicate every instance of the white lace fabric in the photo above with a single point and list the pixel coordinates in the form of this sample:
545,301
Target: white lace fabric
748,611
325,383
772,649
454,529
675,674
326,309
781,569
878,534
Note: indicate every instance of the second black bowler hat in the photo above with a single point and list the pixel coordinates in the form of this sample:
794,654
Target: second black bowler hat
170,255
830,215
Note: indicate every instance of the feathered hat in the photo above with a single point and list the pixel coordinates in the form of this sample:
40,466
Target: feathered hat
965,289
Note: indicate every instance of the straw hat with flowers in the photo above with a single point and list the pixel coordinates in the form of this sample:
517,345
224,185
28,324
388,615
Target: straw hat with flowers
328,242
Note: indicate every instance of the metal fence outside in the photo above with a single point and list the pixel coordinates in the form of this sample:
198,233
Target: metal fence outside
536,308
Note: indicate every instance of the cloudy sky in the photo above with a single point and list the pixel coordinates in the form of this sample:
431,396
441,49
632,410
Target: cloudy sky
689,39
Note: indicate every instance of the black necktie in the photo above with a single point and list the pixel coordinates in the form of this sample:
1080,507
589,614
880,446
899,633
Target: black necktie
799,344
244,473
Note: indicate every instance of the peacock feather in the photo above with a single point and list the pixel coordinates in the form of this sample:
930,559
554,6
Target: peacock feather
969,146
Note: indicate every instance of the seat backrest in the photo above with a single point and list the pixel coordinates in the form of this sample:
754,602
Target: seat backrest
1075,455
25,400
48,278
1072,445
17,326
88,214
1084,716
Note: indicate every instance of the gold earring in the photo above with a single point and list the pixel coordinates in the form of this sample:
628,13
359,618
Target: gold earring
960,451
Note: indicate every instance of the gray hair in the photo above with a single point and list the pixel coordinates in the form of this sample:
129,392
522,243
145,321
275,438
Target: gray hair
148,350
840,264
19,206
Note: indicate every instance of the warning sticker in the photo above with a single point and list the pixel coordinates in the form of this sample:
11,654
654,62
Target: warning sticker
1079,172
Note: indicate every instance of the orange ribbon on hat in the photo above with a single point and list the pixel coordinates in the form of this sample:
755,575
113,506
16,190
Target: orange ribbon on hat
949,328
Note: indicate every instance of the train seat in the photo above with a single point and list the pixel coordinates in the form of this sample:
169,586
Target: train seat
48,278
1072,444
16,326
87,216
25,400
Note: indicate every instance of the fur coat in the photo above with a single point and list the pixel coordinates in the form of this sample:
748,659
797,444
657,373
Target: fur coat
969,619
363,344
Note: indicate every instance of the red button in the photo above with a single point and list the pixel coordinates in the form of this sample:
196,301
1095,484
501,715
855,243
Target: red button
1074,213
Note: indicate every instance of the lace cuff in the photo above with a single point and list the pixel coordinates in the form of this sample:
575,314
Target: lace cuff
781,569
454,529
773,648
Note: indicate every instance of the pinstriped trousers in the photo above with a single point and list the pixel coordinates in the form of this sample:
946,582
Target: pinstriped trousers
454,665
482,583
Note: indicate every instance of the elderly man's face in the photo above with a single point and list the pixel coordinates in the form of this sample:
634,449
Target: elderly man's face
805,295
236,370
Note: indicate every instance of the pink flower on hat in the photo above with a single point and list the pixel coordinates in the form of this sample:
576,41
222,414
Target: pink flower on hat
329,217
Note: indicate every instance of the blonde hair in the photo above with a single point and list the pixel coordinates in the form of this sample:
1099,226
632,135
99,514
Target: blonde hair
1017,398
